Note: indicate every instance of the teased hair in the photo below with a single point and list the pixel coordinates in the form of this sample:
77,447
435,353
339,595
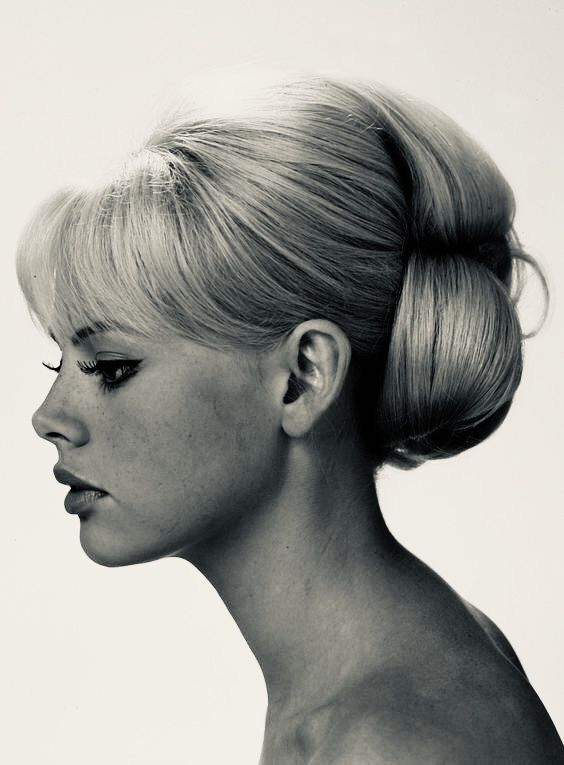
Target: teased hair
327,199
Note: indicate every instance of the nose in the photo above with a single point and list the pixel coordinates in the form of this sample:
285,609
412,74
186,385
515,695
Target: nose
58,421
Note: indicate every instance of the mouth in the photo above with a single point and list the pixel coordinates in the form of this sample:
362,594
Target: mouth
80,498
82,495
65,476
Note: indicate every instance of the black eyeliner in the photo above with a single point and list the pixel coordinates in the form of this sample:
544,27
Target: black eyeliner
107,366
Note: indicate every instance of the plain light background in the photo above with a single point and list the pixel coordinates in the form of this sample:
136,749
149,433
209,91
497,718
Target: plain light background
143,665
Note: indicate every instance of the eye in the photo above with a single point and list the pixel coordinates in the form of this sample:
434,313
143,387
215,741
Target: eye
112,372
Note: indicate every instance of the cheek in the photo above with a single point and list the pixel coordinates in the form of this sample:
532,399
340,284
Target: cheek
184,468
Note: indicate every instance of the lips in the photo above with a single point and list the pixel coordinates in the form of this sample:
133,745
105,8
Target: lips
77,484
82,496
81,500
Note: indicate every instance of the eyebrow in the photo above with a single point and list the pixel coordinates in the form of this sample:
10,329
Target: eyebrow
85,332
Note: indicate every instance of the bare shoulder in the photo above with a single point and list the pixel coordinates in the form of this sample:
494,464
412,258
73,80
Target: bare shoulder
420,740
496,636
471,722
425,736
455,694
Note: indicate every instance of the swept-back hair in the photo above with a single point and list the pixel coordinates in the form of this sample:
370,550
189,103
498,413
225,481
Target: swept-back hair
326,198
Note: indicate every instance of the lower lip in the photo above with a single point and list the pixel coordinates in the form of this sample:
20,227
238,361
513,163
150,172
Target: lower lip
83,499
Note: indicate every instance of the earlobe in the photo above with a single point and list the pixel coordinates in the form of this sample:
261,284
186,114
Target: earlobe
318,356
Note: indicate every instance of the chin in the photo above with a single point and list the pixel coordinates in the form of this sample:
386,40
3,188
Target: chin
113,551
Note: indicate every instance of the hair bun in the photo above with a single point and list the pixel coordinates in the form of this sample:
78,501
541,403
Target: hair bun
495,254
454,360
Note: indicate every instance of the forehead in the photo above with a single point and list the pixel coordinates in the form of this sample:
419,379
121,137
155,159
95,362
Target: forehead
164,344
79,336
112,331
82,335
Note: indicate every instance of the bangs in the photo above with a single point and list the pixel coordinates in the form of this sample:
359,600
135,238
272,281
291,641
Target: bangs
108,257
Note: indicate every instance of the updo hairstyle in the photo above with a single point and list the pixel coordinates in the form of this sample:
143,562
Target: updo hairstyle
316,199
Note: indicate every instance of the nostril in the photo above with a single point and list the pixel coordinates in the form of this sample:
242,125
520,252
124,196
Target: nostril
43,427
43,430
58,426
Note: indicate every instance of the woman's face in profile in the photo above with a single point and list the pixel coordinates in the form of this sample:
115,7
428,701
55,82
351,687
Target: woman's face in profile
180,436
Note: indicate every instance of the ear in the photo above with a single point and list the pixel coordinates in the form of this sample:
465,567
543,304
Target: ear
317,356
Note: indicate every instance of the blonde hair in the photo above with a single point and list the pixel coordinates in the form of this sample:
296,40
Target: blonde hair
329,199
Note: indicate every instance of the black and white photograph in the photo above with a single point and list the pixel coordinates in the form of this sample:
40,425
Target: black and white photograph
283,335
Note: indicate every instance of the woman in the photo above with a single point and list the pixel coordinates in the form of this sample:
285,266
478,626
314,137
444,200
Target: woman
271,302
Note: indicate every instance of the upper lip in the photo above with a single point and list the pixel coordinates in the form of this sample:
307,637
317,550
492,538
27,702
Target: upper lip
65,476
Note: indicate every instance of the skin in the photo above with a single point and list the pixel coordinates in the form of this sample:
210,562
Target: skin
368,656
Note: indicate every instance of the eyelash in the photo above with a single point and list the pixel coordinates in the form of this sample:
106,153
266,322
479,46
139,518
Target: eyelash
103,369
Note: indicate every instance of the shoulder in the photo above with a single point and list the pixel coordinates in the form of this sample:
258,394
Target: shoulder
496,635
426,739
462,728
457,695
421,741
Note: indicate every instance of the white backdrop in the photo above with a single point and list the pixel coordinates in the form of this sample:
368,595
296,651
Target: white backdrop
143,665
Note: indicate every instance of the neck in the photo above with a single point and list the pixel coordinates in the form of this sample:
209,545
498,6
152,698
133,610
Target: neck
308,579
